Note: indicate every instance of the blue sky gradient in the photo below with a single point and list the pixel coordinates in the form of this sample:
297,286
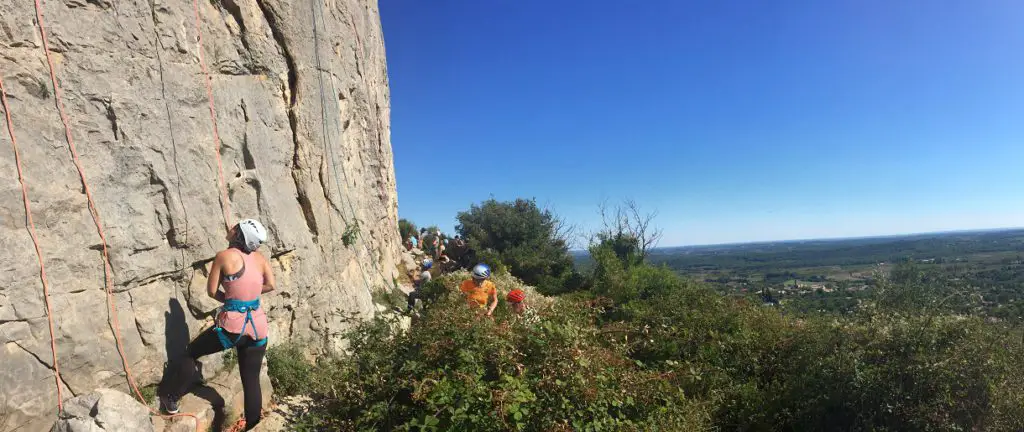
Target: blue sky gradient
735,120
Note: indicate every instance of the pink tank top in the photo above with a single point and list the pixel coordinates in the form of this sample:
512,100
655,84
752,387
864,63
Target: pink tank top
247,287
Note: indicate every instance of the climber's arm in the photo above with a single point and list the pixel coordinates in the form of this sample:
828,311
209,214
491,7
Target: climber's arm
268,276
213,281
493,301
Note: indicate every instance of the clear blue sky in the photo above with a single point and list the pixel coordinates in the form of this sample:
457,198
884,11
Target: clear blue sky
736,120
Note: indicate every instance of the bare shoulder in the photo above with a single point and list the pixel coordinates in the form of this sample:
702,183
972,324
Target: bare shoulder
222,255
262,258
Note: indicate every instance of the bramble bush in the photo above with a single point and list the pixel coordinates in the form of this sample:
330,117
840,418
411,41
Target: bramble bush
531,242
453,370
880,369
406,229
647,350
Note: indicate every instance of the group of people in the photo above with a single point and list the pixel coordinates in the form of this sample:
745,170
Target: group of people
479,291
447,251
239,275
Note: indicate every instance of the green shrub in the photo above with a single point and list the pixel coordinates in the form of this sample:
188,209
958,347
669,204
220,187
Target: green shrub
148,391
653,351
406,229
624,282
351,234
518,234
456,371
877,370
492,259
290,373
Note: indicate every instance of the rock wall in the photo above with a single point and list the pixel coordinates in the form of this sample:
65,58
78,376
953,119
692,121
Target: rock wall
305,148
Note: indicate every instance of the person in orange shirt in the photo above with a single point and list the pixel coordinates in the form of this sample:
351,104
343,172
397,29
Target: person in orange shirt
479,290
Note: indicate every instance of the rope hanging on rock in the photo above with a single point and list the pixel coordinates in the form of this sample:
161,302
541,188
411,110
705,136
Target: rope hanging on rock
94,212
107,271
316,6
35,241
328,148
225,202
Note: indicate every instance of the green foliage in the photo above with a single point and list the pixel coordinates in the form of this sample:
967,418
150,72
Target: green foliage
493,259
620,275
391,297
406,229
624,247
148,393
454,371
433,290
520,235
290,372
348,238
230,359
645,349
876,370
908,289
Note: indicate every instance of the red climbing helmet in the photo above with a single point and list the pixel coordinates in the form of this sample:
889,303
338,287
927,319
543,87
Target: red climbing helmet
516,296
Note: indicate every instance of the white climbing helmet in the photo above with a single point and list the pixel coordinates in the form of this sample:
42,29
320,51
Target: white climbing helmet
481,271
428,263
252,234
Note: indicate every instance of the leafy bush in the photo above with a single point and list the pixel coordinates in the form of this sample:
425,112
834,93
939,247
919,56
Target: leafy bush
647,350
406,229
876,370
351,234
290,372
454,370
518,234
623,279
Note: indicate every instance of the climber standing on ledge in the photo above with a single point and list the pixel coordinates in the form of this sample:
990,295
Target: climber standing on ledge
241,324
418,282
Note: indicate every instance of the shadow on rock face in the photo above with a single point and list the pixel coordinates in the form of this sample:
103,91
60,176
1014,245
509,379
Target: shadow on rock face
216,402
176,337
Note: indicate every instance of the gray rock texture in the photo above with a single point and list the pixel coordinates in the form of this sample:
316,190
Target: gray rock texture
104,410
217,403
303,116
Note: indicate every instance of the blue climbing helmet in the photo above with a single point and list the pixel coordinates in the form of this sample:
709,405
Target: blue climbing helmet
481,271
428,263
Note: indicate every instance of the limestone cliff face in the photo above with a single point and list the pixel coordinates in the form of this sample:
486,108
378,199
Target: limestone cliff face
303,115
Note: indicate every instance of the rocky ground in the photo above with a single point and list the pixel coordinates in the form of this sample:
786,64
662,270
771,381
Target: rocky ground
283,413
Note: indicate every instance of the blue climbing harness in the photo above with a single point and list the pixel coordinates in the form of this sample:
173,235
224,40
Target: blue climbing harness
232,305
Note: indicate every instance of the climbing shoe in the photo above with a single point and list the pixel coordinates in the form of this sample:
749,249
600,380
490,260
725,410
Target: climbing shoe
169,404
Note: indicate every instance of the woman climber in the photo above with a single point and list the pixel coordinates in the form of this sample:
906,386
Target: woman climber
241,323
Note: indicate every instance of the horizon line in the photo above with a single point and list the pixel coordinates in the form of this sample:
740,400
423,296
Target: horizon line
862,237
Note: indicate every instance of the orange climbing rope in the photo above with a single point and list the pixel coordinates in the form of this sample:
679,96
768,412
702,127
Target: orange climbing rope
107,270
225,204
35,242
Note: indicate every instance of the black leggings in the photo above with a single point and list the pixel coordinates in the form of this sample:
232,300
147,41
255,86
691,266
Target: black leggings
413,296
250,361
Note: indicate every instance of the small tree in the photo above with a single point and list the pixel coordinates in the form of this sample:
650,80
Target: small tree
532,242
406,229
628,230
619,250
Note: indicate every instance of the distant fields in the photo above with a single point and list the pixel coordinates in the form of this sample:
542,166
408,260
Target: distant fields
834,274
